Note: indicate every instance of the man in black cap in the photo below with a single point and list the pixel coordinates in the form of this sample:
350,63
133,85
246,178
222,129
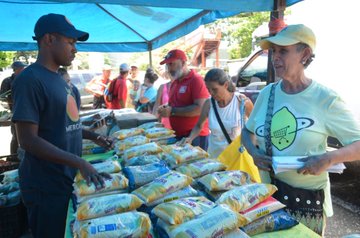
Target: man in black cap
46,115
5,91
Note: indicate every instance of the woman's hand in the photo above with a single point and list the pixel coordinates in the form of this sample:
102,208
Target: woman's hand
90,174
315,165
262,161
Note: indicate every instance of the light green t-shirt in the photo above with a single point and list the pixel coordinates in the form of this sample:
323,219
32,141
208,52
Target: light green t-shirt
300,126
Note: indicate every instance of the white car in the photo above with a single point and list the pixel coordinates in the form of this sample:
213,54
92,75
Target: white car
80,78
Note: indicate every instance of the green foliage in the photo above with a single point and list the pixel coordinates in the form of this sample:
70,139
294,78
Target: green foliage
6,58
27,56
238,31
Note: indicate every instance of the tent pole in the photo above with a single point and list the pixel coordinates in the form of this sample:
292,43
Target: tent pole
276,13
150,54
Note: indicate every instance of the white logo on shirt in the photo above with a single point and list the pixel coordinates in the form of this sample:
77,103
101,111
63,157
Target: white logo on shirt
182,89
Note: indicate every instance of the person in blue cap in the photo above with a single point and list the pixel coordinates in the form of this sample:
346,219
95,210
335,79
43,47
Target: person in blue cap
5,93
46,116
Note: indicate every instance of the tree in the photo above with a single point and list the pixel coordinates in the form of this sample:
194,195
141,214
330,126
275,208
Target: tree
6,58
238,31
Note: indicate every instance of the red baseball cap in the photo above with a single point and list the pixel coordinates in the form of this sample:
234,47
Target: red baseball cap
174,55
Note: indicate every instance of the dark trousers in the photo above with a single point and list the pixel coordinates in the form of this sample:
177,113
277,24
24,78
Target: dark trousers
14,141
46,213
201,141
98,102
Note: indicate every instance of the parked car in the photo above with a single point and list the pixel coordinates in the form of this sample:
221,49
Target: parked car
80,78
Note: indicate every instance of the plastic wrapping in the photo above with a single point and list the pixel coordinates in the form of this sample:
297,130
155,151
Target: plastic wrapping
117,182
123,225
108,166
162,186
143,174
224,180
182,210
201,167
246,196
107,205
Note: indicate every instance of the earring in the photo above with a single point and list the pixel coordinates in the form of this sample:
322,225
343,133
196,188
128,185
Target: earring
303,62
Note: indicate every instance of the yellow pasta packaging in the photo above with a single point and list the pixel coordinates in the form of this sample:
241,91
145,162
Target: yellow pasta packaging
107,205
183,209
216,222
224,180
201,167
117,182
157,132
122,225
151,124
246,196
185,153
187,191
125,133
162,186
149,148
126,143
108,166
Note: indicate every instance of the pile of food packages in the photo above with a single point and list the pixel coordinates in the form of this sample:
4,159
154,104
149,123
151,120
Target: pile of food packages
9,188
160,189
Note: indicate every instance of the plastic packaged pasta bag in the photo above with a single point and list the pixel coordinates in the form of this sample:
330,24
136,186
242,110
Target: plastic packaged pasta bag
157,132
183,209
201,167
125,133
246,196
187,191
142,160
162,186
10,176
107,205
151,124
9,187
149,148
96,195
216,222
185,153
122,225
213,196
143,174
117,182
237,233
126,143
108,166
263,208
224,180
278,220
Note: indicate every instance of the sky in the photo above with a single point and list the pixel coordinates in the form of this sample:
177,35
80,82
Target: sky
337,56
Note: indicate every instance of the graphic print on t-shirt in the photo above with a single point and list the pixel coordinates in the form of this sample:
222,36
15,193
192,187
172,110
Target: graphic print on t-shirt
284,128
71,107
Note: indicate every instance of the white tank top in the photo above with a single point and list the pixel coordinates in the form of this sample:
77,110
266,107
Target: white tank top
231,118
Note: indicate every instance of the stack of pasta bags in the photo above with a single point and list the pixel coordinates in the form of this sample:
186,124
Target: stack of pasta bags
253,201
110,211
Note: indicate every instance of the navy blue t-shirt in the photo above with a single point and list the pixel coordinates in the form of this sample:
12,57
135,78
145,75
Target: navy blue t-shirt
43,97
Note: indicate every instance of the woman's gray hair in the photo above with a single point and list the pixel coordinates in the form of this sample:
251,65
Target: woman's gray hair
219,76
300,47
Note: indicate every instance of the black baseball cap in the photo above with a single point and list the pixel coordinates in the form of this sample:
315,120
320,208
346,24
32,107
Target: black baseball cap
56,23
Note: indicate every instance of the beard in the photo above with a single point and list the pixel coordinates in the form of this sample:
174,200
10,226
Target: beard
176,74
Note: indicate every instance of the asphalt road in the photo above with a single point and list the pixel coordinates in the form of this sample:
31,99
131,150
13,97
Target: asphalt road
345,189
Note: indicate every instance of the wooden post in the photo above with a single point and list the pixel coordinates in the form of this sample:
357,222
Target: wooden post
203,60
277,13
